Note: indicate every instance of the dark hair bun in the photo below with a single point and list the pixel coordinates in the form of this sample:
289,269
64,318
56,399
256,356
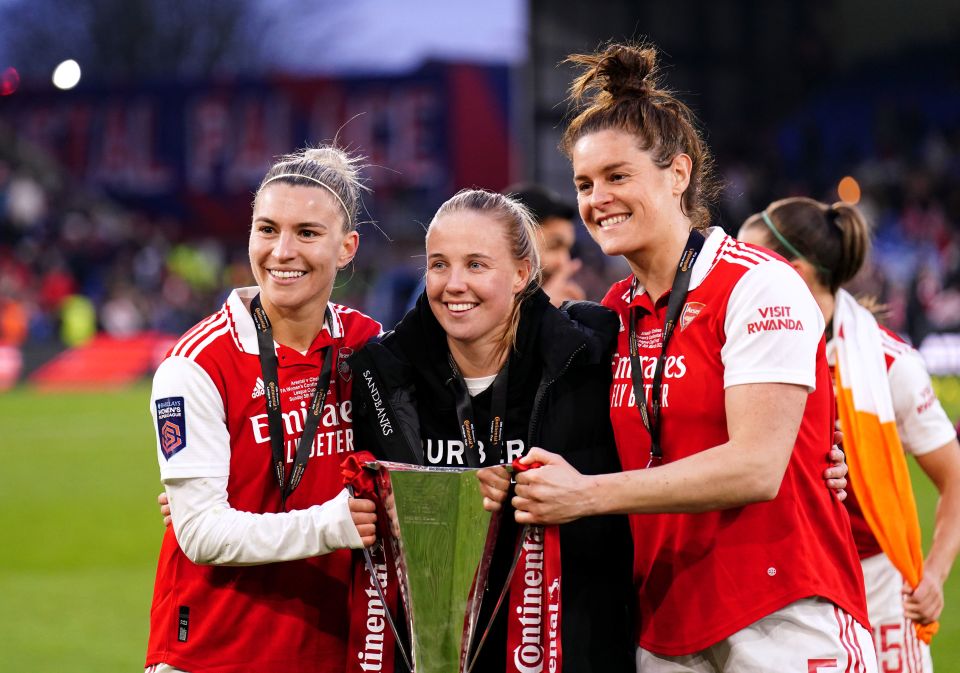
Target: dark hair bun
626,70
618,87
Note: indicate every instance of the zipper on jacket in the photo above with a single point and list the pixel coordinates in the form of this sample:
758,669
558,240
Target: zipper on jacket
541,393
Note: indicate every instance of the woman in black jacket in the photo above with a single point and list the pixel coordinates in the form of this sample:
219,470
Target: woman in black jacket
483,335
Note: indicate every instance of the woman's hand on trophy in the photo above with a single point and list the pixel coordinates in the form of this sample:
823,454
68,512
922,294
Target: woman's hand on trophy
364,515
494,485
551,493
164,503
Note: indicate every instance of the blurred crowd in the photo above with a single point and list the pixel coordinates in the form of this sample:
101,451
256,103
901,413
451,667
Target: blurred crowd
907,182
73,263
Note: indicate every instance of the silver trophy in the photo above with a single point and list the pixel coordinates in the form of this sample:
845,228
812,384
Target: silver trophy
442,541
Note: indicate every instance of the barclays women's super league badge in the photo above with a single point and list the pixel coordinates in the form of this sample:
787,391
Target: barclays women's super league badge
171,425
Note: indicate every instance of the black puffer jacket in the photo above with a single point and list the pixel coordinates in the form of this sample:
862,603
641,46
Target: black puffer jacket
558,389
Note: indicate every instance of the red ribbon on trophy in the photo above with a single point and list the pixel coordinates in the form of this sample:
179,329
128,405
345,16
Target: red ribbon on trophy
371,642
533,620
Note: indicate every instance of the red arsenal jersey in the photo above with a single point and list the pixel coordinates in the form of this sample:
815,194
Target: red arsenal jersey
700,578
212,422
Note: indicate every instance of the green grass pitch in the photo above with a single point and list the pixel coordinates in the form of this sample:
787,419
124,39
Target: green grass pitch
80,531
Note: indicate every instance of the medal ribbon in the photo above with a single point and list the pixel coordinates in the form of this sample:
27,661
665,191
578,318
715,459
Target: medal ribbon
498,409
271,389
678,295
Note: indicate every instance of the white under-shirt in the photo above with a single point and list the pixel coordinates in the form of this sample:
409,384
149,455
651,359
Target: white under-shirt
477,385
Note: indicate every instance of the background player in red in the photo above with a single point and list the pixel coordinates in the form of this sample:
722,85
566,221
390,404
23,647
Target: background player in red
253,414
723,451
827,245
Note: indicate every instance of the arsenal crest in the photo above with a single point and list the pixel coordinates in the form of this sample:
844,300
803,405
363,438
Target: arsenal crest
342,367
690,311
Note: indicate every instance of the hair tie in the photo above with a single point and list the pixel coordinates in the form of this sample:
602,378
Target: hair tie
788,245
832,215
322,184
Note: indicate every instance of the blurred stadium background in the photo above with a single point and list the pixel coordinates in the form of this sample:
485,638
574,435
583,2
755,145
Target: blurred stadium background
124,208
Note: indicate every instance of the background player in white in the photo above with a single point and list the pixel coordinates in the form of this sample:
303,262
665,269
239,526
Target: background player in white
827,245
732,531
216,606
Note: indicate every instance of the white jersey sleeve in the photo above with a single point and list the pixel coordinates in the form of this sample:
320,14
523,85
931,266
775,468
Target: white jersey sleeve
190,422
773,328
209,531
922,423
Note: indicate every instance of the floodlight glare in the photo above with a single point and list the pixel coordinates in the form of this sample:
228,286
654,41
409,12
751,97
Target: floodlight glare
66,75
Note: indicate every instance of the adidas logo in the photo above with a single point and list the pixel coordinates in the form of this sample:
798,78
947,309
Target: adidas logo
257,389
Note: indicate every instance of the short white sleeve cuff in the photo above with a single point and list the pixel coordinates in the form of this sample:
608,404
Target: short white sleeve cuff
922,423
189,422
773,328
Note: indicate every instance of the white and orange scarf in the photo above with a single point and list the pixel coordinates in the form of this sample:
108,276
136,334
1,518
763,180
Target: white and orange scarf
878,467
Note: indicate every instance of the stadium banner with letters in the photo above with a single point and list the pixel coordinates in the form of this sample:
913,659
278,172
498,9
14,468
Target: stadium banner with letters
197,150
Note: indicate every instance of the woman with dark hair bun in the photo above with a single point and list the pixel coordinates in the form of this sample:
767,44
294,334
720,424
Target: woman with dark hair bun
720,404
887,407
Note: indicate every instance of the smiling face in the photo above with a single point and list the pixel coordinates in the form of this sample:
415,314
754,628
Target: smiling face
628,204
297,243
472,277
